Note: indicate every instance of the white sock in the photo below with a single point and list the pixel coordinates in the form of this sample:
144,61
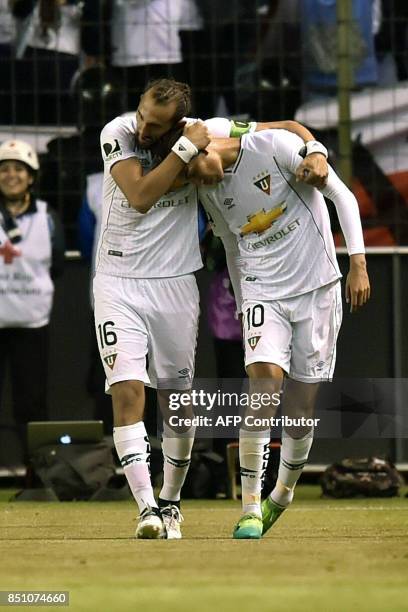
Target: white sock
253,459
133,448
293,457
176,461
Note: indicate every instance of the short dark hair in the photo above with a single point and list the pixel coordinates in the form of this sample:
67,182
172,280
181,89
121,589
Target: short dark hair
165,91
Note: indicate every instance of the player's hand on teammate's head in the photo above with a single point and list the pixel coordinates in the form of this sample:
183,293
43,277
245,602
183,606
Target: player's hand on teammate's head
313,170
198,133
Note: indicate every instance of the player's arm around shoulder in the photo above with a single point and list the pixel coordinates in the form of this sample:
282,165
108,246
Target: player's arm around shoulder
358,288
286,152
313,169
144,190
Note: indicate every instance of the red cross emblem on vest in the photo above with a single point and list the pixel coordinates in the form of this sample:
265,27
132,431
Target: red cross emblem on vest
9,251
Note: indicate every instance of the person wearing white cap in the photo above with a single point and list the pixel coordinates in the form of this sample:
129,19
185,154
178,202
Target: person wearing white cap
31,254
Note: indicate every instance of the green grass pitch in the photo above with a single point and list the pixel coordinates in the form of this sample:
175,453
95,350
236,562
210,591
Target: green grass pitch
321,556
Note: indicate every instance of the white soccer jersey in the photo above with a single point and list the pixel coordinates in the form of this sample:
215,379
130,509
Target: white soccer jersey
164,241
280,228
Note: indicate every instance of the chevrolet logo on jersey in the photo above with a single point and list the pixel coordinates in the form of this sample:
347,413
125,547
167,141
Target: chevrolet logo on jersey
171,202
264,184
262,220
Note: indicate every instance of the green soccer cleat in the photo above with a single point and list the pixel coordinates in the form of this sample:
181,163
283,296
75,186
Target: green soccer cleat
270,513
249,527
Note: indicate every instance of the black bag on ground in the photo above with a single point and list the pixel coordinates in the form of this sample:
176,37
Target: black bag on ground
368,477
205,475
74,471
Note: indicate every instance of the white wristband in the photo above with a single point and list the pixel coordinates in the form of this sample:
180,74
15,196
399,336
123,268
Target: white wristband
185,149
313,146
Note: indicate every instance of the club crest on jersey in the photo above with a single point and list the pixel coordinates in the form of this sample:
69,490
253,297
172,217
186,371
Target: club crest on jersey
253,342
112,149
263,182
262,220
110,360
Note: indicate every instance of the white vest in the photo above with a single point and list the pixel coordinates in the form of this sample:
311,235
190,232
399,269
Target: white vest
26,288
63,40
190,16
146,32
7,30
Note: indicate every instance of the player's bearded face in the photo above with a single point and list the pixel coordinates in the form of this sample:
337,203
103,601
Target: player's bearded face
153,120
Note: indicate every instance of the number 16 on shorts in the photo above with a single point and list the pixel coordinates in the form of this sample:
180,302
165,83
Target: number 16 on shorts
107,340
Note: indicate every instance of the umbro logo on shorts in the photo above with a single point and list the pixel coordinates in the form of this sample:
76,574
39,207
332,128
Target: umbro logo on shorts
110,360
184,373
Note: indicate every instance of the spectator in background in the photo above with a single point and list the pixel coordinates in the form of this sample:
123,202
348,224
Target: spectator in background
31,255
95,32
7,63
272,84
47,46
391,41
146,43
228,49
319,29
194,47
97,97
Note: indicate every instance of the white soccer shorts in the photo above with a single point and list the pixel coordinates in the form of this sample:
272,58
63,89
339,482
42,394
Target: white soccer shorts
154,318
298,334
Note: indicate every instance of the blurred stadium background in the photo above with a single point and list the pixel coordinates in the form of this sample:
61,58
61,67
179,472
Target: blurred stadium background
339,68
